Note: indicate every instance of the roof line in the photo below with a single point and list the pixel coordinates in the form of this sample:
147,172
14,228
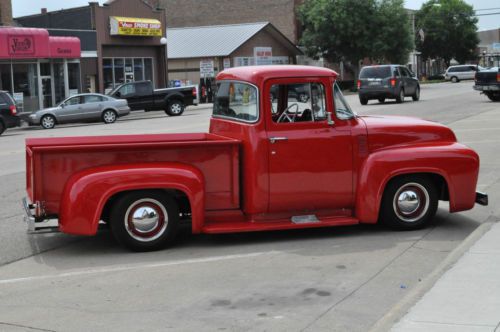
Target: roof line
256,32
216,26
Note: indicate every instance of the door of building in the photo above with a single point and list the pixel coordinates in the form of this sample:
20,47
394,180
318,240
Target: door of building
129,77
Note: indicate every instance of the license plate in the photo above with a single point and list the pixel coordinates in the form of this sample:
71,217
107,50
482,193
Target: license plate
374,83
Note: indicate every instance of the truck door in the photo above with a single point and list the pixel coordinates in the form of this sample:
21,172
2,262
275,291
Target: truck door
310,161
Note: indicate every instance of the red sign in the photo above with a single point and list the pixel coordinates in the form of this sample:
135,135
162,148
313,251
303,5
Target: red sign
21,45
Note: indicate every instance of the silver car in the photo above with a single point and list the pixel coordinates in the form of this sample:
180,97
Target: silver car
461,72
84,107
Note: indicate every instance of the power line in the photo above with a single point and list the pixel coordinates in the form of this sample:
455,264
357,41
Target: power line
484,9
497,13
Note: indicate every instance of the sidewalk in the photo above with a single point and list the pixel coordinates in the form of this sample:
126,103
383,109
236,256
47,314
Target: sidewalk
466,297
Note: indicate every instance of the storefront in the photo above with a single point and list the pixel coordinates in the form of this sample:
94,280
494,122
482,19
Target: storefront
39,71
121,41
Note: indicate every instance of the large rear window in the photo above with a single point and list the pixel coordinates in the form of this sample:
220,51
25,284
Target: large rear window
375,72
236,100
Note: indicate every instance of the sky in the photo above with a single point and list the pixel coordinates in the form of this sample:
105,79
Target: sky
28,7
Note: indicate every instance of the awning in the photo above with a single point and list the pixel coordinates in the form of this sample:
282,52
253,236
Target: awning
31,43
65,47
133,26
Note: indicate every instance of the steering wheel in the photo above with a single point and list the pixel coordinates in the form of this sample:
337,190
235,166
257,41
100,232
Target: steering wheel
285,115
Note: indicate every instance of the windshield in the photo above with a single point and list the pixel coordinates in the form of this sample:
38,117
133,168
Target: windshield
114,90
375,72
236,100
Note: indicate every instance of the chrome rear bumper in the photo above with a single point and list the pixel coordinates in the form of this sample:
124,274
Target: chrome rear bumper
37,226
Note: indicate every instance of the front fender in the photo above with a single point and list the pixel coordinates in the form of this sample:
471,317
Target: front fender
456,163
86,192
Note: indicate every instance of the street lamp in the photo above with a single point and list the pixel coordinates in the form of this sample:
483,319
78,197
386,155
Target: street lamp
163,41
484,58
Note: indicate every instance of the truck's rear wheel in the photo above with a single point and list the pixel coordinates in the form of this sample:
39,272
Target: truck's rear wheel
145,220
409,202
493,96
175,108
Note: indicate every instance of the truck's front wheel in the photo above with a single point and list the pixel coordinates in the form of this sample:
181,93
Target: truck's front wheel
145,220
409,202
175,108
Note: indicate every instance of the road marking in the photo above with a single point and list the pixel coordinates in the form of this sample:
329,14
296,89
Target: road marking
137,267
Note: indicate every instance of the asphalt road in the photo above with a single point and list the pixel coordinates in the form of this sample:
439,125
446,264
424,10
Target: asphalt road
335,279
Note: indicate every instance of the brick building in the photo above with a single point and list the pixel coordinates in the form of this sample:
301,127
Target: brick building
5,12
189,13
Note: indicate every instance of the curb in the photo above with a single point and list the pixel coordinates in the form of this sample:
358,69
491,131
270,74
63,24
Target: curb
402,307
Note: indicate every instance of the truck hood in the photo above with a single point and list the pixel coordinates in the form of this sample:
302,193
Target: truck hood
385,131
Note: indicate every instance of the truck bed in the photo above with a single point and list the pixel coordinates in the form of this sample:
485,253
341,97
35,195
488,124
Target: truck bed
51,161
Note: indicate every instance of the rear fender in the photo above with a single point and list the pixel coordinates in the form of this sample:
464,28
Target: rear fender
86,192
456,163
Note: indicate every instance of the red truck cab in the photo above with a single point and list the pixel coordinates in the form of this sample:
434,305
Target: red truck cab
270,161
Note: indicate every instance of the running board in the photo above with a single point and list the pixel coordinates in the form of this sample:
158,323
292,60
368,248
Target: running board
214,227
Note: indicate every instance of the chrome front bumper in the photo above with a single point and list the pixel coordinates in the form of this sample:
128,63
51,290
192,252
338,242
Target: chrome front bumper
38,226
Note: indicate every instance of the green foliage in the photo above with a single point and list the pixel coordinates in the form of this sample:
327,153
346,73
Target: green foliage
393,40
450,30
350,30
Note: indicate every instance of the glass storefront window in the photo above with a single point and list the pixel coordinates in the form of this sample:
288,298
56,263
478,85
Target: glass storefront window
74,78
59,89
5,77
148,69
26,82
107,66
138,69
119,72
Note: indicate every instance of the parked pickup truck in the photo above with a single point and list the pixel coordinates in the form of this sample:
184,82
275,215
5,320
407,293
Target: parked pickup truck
488,82
264,165
140,95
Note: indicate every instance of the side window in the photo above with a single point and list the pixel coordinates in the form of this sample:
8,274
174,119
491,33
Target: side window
302,102
342,109
396,72
452,70
93,99
143,89
404,72
72,101
237,101
127,89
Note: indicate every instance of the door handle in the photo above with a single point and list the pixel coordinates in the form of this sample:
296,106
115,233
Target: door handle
275,139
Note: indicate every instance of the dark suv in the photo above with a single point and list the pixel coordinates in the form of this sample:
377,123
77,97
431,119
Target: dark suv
8,112
387,82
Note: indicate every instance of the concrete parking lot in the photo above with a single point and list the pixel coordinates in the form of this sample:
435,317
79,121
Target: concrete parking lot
335,279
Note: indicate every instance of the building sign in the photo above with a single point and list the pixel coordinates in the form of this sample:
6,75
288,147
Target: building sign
280,60
130,26
207,68
263,55
21,45
227,63
243,61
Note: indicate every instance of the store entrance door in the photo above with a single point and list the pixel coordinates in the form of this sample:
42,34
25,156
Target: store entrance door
46,91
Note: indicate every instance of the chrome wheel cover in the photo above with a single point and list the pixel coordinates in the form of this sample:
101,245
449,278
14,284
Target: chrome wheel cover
146,220
176,108
48,122
109,117
411,202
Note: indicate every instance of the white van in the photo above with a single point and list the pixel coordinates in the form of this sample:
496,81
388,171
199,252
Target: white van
461,72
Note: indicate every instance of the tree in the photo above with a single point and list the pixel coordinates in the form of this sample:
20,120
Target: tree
449,30
338,30
393,40
351,30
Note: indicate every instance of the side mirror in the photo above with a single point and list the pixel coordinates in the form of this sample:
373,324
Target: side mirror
63,105
329,119
118,94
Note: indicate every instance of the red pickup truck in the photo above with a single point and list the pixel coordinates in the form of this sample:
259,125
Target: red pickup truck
266,164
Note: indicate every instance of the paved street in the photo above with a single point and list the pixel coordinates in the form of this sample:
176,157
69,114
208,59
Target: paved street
337,279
